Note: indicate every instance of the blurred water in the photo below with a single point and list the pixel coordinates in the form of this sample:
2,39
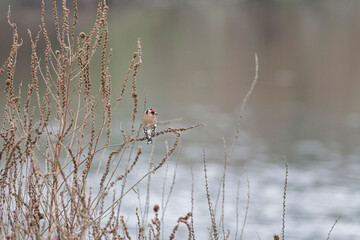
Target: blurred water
198,63
317,194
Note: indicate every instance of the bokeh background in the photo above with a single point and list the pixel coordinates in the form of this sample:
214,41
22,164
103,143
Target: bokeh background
198,64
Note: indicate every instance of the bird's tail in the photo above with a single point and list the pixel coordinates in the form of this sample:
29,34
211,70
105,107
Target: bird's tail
149,140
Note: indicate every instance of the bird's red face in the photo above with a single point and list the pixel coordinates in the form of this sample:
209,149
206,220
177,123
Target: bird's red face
153,112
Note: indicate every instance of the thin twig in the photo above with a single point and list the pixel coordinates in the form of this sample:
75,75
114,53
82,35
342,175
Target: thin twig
211,211
243,104
332,227
247,204
284,198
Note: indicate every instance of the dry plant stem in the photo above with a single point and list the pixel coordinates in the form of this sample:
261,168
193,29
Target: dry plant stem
114,170
192,205
222,187
124,180
134,93
15,46
140,228
183,220
104,189
332,227
125,227
243,104
128,170
163,193
64,128
213,230
135,55
168,130
247,205
137,191
147,203
237,209
169,193
284,199
168,197
132,67
152,171
155,222
64,90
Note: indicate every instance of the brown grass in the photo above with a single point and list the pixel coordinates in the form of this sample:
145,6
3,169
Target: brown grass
53,136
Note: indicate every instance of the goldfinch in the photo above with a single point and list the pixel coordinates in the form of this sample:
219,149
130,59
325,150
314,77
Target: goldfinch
149,124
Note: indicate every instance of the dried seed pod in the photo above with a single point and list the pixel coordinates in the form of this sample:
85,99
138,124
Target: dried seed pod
156,208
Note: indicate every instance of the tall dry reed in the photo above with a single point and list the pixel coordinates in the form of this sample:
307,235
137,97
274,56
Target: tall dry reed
60,128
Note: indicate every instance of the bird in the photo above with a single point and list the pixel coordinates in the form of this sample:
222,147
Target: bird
149,124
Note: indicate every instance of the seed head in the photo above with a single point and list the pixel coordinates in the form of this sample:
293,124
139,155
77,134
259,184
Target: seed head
156,208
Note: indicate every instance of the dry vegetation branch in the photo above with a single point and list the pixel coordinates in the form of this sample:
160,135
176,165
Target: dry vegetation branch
52,136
